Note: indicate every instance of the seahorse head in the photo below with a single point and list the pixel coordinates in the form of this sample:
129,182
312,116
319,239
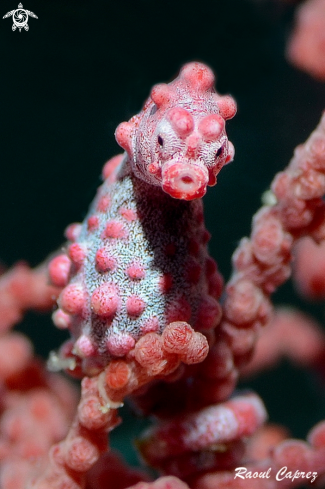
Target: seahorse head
178,141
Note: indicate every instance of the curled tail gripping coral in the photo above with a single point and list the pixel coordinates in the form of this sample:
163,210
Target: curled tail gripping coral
139,261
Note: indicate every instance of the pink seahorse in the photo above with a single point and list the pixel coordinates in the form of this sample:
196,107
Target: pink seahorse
139,261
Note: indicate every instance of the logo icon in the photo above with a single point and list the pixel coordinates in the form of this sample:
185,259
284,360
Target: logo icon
20,18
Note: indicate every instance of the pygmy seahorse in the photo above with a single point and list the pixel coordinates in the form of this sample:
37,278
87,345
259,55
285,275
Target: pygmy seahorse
139,261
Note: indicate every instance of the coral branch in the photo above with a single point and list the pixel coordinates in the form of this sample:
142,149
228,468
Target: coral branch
306,45
290,334
263,262
21,289
203,430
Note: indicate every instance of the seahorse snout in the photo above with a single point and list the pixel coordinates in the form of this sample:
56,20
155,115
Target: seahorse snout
183,180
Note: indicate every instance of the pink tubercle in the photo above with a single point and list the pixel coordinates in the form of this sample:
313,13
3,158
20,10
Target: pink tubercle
115,229
136,271
59,270
105,300
111,165
135,306
92,223
120,344
161,94
123,135
77,253
198,75
128,214
104,261
181,120
72,299
73,231
211,127
151,325
84,347
61,319
227,106
184,181
103,203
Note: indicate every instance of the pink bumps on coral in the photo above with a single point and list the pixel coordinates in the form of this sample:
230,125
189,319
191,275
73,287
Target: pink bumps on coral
92,223
72,232
161,94
120,344
198,75
211,127
59,270
61,319
77,253
72,299
104,260
84,346
123,135
227,106
135,305
136,271
105,300
115,229
181,120
111,165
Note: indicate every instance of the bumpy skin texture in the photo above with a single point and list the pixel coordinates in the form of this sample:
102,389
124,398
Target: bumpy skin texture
139,261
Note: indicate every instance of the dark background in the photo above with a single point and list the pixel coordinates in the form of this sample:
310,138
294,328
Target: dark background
83,67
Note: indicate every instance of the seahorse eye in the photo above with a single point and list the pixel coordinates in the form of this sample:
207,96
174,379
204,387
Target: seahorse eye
219,152
160,141
154,110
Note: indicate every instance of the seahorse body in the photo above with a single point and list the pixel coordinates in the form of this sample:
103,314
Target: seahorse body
139,261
